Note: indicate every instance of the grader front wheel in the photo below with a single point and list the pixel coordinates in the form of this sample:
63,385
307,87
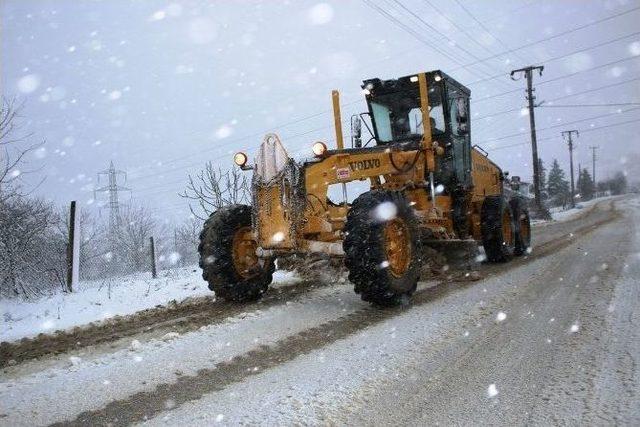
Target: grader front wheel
381,247
228,256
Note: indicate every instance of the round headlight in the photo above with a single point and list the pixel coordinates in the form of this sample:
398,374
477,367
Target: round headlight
240,159
319,148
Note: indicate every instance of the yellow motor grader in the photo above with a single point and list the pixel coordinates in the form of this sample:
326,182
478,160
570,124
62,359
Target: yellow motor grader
426,184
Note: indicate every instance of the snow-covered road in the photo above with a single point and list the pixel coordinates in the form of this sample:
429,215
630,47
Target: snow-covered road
552,339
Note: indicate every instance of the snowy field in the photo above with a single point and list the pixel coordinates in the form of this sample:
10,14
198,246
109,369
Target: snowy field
104,299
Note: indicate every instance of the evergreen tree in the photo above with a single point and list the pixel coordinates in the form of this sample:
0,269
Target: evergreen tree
585,185
557,186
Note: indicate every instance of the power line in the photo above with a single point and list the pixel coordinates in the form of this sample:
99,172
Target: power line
356,101
288,123
566,55
418,36
499,113
519,144
559,125
560,77
590,105
433,29
581,27
485,28
298,120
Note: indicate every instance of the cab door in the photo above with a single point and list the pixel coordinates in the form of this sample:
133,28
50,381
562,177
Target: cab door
458,110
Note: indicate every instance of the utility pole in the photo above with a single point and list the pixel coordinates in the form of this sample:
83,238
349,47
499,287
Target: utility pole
528,74
593,169
568,134
112,188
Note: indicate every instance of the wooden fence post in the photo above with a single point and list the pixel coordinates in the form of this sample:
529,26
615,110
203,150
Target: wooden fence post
154,274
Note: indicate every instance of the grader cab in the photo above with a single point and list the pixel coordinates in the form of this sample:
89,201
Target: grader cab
427,185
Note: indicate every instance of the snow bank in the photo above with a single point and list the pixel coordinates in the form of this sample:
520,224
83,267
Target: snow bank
567,215
98,300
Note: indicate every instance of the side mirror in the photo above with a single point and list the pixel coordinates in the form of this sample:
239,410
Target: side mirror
356,131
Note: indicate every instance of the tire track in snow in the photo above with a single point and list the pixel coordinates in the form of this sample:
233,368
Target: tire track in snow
182,317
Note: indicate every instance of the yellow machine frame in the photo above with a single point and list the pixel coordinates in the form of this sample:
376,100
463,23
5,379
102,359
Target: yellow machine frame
389,168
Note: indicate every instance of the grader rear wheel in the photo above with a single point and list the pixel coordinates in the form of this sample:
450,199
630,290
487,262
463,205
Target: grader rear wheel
498,229
228,256
522,226
382,247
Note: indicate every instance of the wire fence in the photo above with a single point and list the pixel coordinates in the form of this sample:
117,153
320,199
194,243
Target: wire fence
39,254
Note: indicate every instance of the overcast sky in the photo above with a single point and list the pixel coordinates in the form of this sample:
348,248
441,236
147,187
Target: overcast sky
160,87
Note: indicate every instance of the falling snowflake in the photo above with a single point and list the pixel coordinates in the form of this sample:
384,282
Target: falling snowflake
492,390
501,316
174,257
224,131
277,237
219,418
40,153
578,62
385,211
158,15
574,328
320,14
48,324
28,83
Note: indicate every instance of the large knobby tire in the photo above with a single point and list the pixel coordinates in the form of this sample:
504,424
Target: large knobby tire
228,259
382,247
522,225
497,229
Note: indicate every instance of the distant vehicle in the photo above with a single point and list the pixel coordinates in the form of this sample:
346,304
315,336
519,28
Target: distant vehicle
427,184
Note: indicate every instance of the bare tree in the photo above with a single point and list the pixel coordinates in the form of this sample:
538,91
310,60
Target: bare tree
32,255
14,148
211,189
186,237
137,226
